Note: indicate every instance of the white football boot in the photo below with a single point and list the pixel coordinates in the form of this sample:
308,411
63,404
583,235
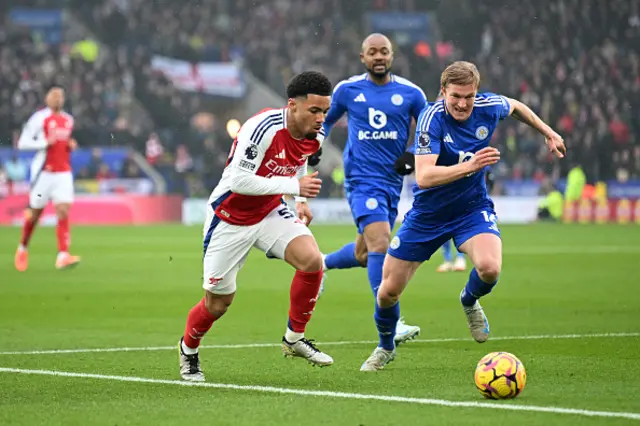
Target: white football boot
378,359
405,332
477,321
460,264
190,366
445,267
304,348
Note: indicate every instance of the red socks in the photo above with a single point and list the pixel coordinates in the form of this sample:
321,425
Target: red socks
199,322
27,230
62,231
303,296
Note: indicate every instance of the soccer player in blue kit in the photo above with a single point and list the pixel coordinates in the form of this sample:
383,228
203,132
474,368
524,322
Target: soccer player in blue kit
450,199
380,106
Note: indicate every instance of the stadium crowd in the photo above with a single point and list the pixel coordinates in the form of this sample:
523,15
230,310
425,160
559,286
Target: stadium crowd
576,62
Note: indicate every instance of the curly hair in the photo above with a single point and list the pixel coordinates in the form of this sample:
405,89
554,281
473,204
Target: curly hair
309,83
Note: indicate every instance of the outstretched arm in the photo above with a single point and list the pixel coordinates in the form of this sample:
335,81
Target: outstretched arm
336,110
523,113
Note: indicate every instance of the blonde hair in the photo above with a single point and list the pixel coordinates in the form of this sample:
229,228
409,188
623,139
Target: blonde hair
461,73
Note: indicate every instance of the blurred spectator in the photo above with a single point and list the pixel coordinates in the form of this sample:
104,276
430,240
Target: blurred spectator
16,169
154,149
575,62
104,172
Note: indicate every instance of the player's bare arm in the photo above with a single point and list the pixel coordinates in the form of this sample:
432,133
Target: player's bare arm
429,175
523,113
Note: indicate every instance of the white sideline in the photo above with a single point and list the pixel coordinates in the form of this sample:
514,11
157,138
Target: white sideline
331,394
354,342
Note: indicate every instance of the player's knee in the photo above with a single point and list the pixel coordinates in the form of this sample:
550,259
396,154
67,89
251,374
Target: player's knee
33,215
488,270
362,258
62,211
217,305
387,297
378,243
310,262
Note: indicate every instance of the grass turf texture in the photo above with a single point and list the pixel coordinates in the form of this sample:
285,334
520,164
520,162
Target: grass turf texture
136,285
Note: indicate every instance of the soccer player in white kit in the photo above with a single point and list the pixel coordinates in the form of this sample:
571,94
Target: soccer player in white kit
48,132
268,159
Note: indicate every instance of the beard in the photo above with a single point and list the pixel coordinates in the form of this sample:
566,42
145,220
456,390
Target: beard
387,70
311,135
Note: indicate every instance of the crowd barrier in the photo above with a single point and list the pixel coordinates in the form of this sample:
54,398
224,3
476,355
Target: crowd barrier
101,210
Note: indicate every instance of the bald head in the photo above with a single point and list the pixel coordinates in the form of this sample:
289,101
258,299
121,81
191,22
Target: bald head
377,56
376,39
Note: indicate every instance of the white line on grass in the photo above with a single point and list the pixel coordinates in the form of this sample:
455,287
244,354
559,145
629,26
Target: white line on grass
331,394
533,250
346,342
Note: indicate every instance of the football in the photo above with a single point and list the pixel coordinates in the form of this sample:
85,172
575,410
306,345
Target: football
500,375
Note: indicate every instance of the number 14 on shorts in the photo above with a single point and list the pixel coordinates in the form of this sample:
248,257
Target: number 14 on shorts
490,218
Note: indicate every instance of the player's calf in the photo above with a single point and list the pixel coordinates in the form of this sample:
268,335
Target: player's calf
199,322
303,254
64,259
31,218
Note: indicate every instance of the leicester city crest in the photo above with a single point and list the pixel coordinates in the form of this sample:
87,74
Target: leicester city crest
482,132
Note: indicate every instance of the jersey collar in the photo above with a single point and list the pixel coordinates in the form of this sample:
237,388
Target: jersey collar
392,80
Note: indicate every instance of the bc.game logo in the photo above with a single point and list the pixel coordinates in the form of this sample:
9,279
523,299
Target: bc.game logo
377,119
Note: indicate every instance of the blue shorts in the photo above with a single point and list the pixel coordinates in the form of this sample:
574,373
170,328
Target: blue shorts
371,204
420,236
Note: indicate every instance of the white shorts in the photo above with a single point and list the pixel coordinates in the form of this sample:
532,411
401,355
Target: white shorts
57,187
227,246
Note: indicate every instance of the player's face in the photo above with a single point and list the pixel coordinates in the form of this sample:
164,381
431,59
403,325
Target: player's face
55,98
459,100
377,57
309,113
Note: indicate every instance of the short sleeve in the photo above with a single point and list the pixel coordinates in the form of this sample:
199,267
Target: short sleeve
428,131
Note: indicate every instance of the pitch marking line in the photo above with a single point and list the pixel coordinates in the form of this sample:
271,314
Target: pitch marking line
344,343
331,394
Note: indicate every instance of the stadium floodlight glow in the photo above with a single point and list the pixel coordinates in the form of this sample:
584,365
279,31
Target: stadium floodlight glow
233,127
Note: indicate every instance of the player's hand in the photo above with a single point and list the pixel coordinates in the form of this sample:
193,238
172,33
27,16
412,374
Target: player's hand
73,144
555,143
304,213
485,157
310,185
51,140
314,159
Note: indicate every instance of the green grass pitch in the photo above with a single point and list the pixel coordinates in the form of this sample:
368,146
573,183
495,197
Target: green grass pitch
136,284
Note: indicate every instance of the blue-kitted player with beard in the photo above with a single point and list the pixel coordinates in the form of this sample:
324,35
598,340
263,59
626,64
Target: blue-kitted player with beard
380,107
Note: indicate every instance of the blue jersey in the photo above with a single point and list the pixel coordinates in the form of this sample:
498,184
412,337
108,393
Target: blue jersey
379,126
456,142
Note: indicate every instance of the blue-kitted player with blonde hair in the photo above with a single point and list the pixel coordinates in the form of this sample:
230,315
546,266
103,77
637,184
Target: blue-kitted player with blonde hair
452,153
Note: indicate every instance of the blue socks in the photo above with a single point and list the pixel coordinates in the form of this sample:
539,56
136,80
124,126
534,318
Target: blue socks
344,258
374,271
386,318
475,289
447,251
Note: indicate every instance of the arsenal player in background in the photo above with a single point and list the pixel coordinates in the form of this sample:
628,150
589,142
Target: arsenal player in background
48,132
